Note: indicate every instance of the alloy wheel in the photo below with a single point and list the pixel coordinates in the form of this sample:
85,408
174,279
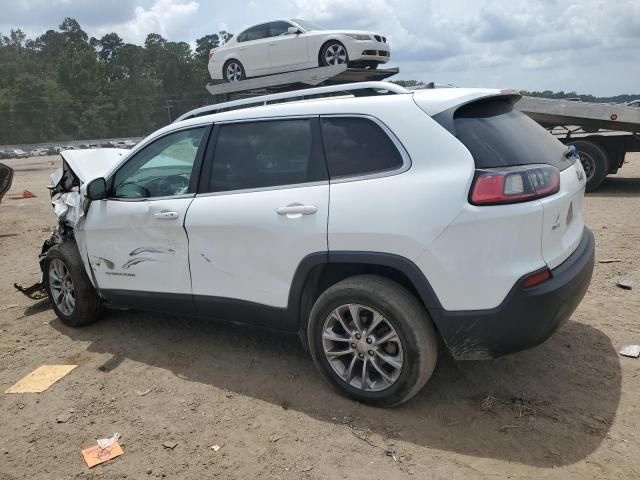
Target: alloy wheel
234,72
61,285
362,347
335,54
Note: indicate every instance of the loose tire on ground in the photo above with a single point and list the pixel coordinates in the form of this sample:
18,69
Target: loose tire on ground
88,307
403,312
594,158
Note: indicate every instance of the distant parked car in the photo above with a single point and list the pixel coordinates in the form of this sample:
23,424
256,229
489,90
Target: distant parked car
287,45
129,144
4,154
634,103
19,153
38,152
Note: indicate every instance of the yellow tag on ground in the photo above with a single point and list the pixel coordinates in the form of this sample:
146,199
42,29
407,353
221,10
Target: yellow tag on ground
96,455
41,379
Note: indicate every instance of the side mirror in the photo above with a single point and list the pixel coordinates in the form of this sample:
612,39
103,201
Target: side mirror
293,30
97,189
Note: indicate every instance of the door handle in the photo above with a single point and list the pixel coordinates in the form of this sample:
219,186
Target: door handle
296,210
242,49
165,215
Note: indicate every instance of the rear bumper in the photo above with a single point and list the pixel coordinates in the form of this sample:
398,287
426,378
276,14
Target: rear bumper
527,317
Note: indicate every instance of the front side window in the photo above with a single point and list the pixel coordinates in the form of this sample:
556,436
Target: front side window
162,168
358,146
265,154
280,28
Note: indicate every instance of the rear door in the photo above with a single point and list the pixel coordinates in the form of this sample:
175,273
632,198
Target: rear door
136,241
261,208
286,50
499,136
254,50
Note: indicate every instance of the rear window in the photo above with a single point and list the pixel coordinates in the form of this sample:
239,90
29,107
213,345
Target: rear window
497,135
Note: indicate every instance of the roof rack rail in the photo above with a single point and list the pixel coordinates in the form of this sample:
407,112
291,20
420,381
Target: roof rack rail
365,89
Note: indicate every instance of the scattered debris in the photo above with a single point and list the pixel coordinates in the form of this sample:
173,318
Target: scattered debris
170,445
96,455
609,260
216,448
40,379
488,403
632,351
23,195
63,417
307,469
505,428
275,437
107,442
391,452
624,284
142,393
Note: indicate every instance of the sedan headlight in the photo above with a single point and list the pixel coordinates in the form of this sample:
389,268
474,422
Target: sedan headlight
358,36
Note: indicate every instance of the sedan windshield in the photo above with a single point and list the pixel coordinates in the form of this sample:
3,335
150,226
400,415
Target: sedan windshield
308,26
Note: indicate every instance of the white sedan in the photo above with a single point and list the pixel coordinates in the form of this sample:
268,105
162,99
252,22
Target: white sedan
287,45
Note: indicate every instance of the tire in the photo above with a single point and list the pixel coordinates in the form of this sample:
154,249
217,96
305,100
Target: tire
233,71
594,161
333,53
62,260
416,348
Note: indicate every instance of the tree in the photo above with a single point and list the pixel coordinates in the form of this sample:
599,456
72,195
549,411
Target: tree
204,45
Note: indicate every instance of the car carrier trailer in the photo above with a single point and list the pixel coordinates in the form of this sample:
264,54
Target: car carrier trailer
602,133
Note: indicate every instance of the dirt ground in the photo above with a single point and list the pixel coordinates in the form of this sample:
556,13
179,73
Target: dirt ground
567,409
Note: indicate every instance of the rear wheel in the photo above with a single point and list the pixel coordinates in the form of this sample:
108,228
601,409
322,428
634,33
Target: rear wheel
594,162
373,340
333,53
70,291
233,71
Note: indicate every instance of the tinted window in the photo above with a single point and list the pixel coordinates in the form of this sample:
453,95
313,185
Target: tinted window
162,168
498,136
280,28
258,32
266,154
358,146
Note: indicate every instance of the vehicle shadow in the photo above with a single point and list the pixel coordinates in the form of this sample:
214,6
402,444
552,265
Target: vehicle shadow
615,186
549,406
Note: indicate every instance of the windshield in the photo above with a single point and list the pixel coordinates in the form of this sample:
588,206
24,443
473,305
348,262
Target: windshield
308,26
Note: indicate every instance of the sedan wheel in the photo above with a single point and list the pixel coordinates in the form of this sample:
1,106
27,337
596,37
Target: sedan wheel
334,54
234,72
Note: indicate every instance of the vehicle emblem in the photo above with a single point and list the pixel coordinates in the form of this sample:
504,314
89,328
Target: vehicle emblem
570,214
580,173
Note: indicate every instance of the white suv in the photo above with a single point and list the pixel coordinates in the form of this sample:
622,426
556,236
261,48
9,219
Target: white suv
371,224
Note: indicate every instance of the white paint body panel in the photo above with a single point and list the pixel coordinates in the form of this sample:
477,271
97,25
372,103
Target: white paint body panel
239,247
93,163
114,229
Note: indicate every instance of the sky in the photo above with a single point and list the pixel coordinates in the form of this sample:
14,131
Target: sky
587,46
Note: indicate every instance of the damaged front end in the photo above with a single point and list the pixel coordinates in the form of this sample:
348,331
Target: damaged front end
69,205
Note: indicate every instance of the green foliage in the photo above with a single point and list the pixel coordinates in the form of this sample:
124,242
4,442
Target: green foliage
584,98
64,85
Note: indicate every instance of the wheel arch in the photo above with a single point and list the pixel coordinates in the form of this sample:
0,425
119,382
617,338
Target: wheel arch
318,271
333,38
230,57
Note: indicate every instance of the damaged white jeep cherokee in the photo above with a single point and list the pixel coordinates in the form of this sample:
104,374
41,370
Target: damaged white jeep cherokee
371,224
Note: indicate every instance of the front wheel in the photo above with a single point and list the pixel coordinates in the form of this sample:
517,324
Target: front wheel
373,340
70,291
333,53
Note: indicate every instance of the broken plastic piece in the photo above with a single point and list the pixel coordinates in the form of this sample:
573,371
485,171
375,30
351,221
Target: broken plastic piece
41,379
25,194
34,292
632,351
107,442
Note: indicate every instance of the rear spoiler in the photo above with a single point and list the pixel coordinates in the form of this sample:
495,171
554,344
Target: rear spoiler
446,117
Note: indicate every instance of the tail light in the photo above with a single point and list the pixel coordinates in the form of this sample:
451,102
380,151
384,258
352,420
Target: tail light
497,186
211,53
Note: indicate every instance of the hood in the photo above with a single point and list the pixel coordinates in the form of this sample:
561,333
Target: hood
345,31
93,163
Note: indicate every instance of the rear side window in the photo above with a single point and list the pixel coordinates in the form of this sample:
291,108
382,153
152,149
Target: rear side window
497,135
258,32
358,146
265,154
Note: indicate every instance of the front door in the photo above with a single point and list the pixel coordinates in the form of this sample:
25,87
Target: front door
261,209
285,49
136,241
254,51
